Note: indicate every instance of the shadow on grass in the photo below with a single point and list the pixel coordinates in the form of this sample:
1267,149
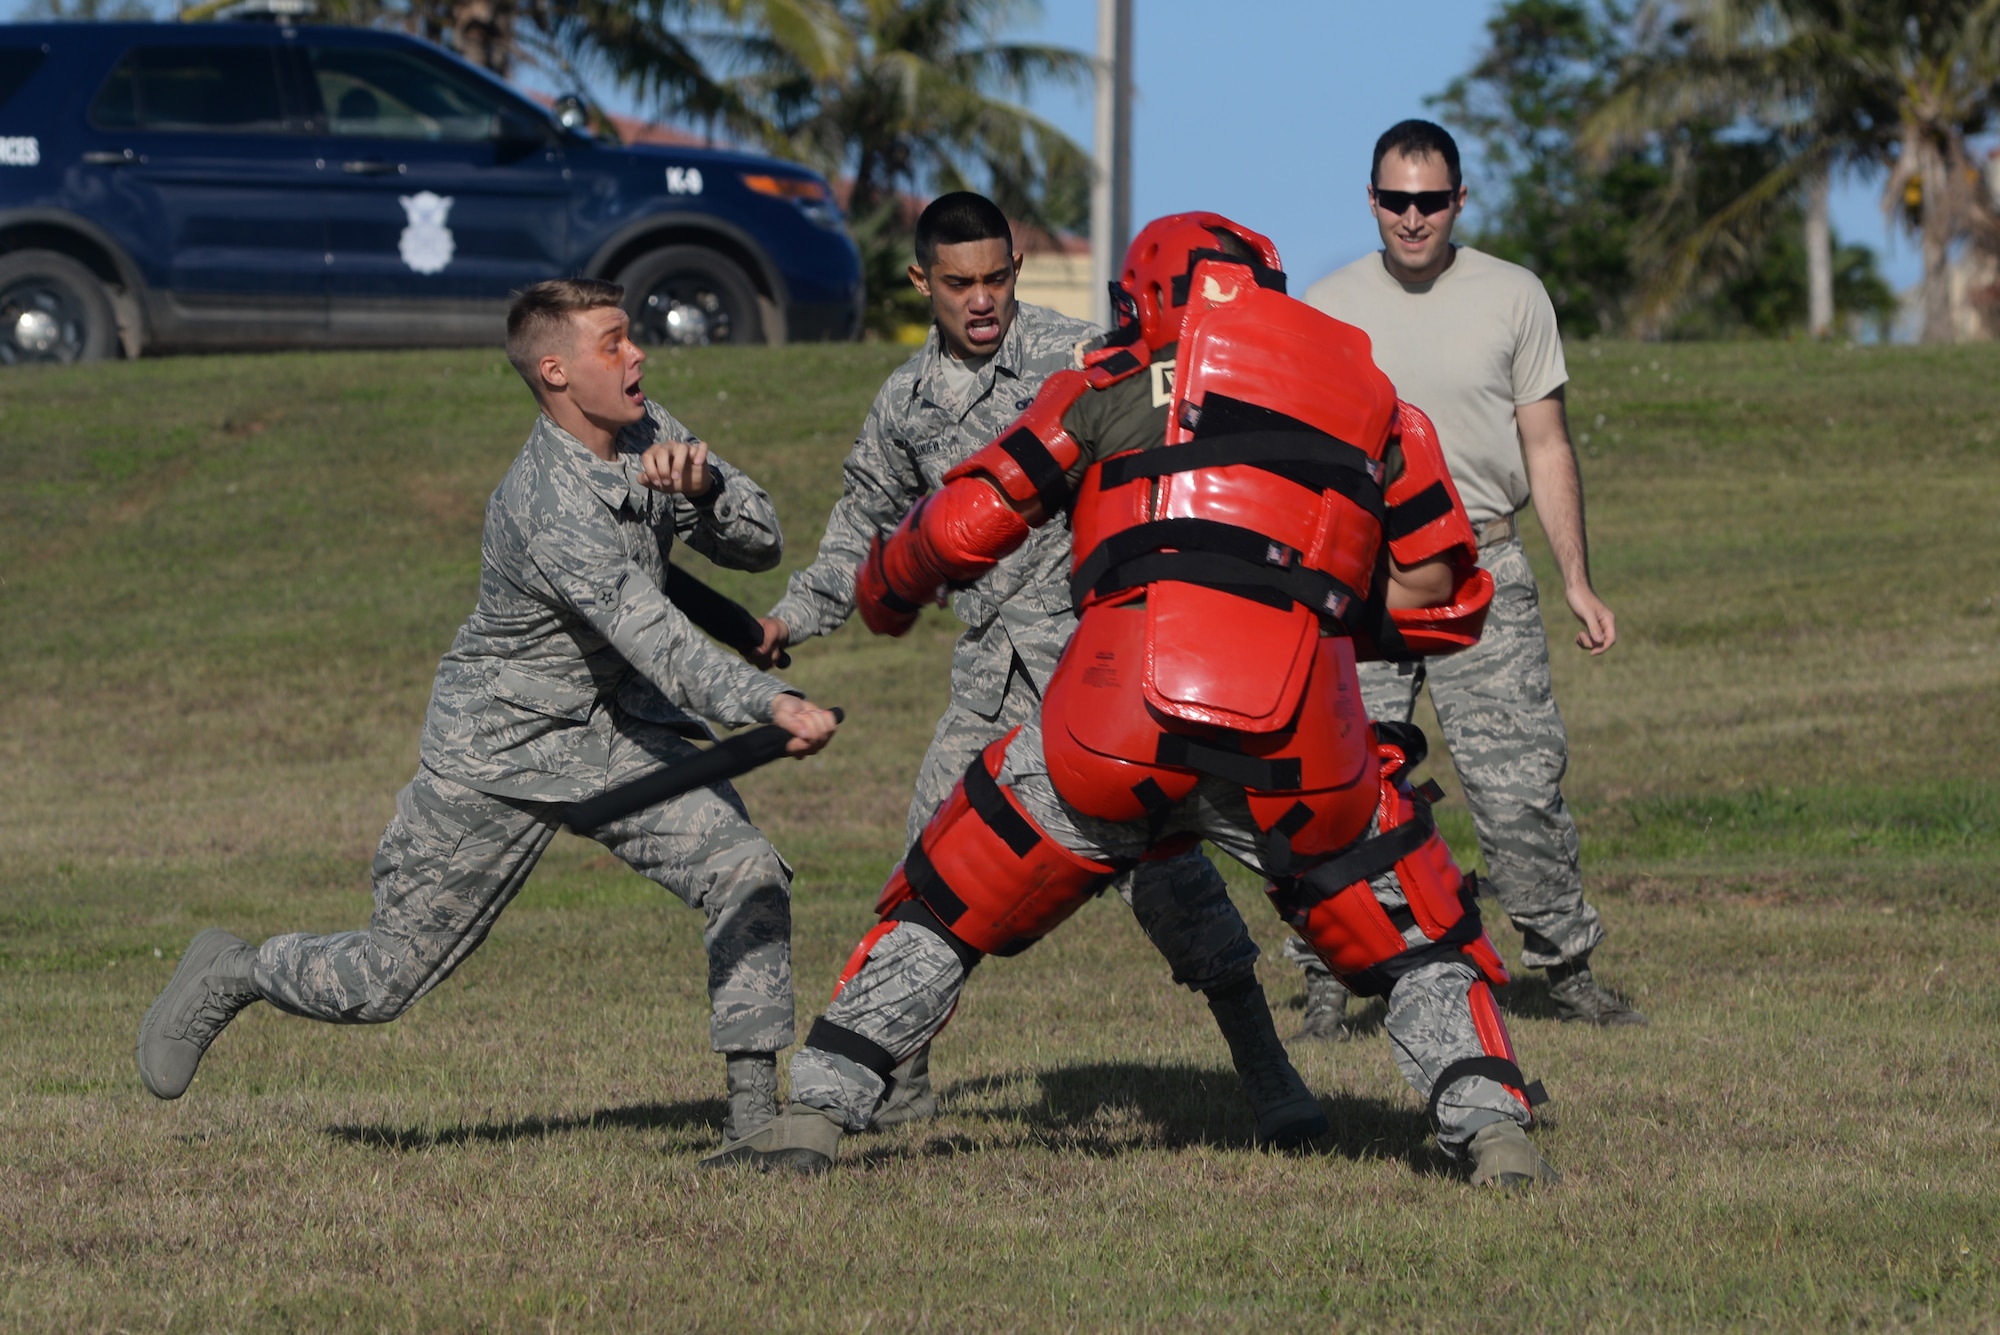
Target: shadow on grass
1527,997
1107,1109
702,1114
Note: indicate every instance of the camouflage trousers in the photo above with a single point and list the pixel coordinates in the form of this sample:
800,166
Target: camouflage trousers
452,858
1497,708
911,981
1181,903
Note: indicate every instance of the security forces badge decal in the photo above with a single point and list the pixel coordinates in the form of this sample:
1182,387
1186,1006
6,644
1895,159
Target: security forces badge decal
426,244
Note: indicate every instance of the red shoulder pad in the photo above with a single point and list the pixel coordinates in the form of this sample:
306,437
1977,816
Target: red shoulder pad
1029,459
1424,517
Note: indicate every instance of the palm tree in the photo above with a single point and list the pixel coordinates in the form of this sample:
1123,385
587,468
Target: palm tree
1901,83
899,97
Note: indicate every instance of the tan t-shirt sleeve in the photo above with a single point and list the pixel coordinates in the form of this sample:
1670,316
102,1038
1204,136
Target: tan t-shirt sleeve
1539,369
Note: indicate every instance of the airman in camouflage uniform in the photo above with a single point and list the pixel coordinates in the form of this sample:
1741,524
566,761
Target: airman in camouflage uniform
1473,341
924,421
574,674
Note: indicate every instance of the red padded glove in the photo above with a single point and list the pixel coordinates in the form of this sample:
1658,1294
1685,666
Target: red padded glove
948,540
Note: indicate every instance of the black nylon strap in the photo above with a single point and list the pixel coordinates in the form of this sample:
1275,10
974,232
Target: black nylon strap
1025,448
1405,737
918,914
1154,798
1185,535
1366,860
1268,776
930,886
1313,460
993,807
1271,278
842,1042
1323,595
1493,1068
1121,363
1278,839
1406,517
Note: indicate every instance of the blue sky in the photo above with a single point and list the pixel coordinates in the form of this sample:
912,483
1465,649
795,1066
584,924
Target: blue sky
1267,110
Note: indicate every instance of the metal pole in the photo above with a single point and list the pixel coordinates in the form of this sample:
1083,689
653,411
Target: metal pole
1111,184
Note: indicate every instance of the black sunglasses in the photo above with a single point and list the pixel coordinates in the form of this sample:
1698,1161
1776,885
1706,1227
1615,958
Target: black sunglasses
1427,201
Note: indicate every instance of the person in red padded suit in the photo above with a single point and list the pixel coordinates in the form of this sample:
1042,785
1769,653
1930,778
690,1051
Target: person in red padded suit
1253,511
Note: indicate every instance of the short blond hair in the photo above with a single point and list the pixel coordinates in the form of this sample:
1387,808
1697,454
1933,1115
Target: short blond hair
538,322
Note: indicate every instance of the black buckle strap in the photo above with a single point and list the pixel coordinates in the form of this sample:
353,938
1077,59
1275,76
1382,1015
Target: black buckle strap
1228,764
1026,449
1493,1068
863,1051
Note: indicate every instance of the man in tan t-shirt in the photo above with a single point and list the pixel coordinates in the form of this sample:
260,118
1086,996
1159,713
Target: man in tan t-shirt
1472,340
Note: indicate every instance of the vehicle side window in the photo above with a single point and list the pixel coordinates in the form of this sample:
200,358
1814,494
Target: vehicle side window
220,89
374,93
17,64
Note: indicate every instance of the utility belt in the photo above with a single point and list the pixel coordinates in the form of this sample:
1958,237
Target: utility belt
1496,531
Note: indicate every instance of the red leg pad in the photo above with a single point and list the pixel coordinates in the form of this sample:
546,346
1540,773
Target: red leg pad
1492,1030
992,875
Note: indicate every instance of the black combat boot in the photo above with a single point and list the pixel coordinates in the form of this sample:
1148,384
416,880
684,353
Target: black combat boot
1577,996
1287,1114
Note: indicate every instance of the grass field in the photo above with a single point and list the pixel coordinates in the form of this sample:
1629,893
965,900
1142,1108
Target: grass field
225,583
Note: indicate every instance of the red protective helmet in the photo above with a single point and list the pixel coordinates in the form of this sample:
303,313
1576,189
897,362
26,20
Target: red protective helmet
1151,299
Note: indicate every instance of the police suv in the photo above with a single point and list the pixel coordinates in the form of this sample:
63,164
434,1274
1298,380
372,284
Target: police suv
170,186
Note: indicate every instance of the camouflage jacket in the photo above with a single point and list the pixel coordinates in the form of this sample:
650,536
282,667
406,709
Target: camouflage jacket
917,431
572,623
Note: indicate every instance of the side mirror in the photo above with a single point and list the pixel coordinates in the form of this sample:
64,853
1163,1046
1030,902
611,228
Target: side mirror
580,118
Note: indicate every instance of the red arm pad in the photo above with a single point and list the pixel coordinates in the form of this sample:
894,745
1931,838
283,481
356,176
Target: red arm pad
950,538
1450,626
1425,518
1028,461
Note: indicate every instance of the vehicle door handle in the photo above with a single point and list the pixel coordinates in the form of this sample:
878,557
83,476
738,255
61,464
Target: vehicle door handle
115,157
367,168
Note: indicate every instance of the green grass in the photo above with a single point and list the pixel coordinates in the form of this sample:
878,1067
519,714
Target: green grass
225,583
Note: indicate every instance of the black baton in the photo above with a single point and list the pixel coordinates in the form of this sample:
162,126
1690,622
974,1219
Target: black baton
717,614
725,760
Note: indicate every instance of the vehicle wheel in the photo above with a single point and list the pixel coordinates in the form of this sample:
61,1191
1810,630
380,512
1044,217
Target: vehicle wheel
689,296
52,309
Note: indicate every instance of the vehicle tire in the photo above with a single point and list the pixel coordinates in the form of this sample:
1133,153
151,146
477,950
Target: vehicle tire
689,296
52,310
